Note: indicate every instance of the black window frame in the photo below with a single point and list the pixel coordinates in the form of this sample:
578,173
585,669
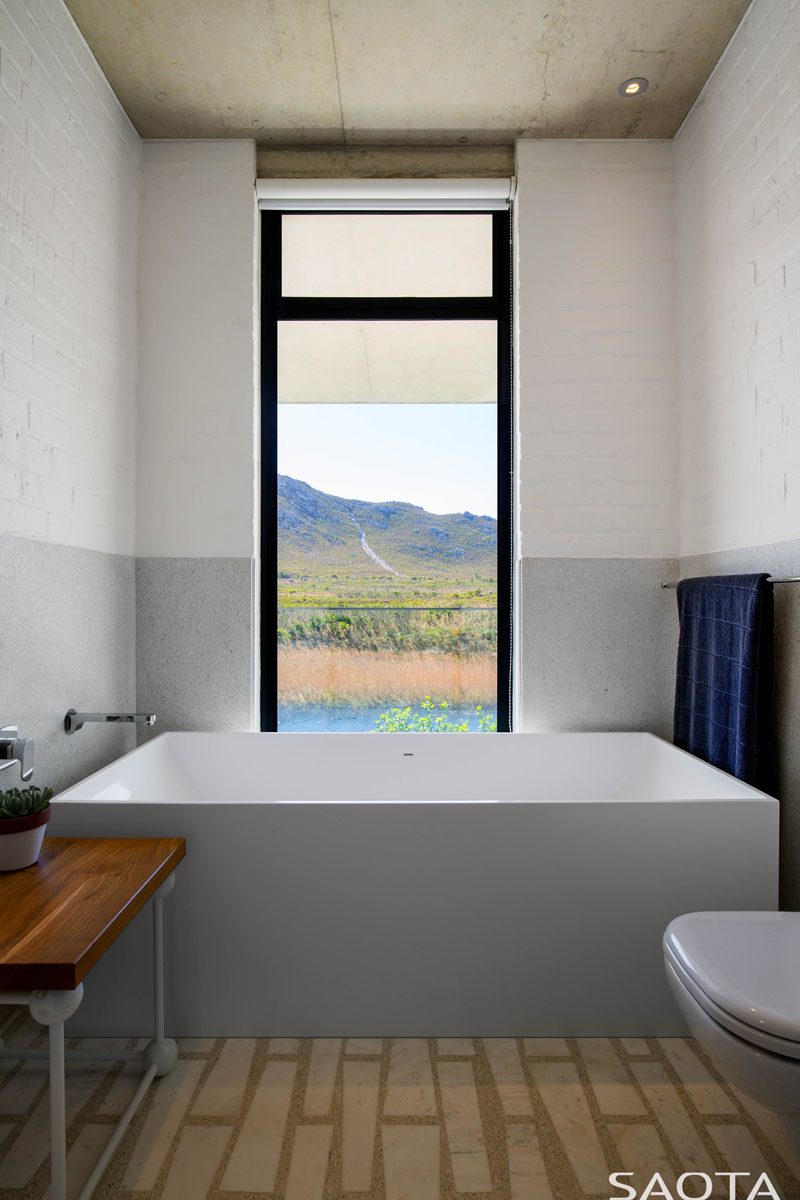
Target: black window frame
275,308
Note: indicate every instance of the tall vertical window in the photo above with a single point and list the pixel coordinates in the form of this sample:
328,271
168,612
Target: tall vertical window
386,460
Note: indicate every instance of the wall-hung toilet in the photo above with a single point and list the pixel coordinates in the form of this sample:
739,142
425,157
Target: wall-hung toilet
736,979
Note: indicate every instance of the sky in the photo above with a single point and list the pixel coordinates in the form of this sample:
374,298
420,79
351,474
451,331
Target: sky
440,456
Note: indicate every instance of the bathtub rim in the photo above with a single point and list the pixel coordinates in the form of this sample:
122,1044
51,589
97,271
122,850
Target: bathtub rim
160,744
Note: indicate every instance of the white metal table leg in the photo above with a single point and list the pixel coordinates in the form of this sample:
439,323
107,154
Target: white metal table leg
162,1052
58,1112
158,955
52,1009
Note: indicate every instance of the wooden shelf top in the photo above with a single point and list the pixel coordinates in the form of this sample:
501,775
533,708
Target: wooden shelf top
59,916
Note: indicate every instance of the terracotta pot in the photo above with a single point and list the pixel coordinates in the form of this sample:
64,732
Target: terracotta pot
21,840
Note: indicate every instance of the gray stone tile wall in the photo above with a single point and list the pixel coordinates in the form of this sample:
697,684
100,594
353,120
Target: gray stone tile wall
67,622
597,644
194,642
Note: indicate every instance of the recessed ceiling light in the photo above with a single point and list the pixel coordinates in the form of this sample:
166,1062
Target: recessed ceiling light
632,87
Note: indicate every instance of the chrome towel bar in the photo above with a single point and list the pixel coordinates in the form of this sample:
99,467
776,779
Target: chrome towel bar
782,579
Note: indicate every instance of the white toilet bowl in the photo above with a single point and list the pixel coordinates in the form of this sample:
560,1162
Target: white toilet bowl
736,979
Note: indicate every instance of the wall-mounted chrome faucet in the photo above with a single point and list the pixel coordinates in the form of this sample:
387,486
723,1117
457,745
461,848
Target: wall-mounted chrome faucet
14,749
73,721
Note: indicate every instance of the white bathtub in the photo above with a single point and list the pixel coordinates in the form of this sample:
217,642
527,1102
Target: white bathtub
393,884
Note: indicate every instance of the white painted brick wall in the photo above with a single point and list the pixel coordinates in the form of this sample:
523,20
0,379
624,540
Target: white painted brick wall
196,458
596,438
69,162
738,291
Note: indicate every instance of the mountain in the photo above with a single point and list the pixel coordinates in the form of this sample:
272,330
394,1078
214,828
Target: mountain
324,535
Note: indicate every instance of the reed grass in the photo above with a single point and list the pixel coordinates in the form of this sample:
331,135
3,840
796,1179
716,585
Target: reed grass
395,630
318,675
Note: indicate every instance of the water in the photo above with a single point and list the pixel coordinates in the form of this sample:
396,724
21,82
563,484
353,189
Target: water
352,718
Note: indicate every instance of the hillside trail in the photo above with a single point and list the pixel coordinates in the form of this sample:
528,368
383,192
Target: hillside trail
365,546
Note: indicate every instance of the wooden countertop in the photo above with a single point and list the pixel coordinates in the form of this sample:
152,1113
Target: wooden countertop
59,916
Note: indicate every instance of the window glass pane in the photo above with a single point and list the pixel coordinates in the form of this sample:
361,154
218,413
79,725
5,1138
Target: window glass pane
387,362
379,254
387,567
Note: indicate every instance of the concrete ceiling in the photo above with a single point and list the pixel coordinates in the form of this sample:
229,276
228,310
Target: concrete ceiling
362,74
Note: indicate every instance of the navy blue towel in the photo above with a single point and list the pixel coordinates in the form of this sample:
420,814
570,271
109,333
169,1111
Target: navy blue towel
723,693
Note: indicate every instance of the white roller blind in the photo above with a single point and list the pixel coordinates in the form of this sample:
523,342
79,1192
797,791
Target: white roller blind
387,362
366,195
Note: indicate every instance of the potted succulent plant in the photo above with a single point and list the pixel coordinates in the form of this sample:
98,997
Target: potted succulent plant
23,816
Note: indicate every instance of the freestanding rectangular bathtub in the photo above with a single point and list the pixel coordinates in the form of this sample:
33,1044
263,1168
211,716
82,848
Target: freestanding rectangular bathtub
393,884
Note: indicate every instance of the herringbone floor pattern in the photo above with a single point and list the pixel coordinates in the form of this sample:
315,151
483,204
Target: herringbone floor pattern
394,1119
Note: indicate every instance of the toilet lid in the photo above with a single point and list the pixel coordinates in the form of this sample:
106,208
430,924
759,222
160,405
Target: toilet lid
747,963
